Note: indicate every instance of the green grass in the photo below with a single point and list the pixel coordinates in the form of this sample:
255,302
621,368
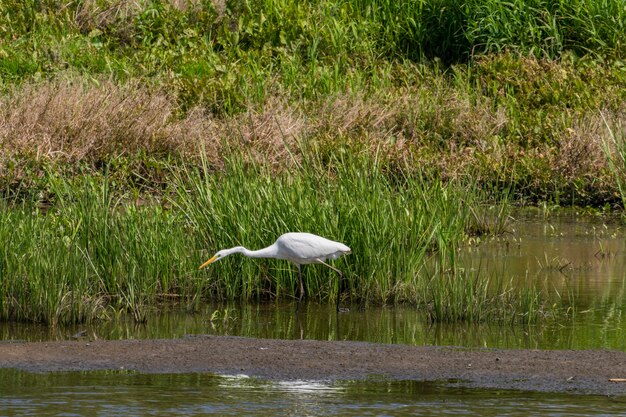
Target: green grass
226,59
91,254
390,223
86,252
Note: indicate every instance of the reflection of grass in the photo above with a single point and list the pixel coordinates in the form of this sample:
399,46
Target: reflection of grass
470,296
555,264
222,318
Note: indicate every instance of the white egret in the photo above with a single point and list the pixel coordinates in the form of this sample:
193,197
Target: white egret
298,248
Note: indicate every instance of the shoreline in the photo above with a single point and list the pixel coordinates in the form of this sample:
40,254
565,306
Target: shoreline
566,371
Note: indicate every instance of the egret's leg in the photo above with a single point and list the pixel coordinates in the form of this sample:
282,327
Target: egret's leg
339,282
301,287
340,275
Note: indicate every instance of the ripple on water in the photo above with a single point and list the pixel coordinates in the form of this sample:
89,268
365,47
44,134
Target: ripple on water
116,393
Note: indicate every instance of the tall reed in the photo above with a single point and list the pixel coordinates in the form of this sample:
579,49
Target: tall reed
391,224
614,145
86,252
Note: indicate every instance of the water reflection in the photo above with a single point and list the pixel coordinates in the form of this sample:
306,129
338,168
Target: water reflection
580,256
127,393
604,328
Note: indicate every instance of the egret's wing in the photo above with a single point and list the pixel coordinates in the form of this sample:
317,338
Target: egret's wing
307,247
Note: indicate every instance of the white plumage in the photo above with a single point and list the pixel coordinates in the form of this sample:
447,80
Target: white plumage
307,248
298,248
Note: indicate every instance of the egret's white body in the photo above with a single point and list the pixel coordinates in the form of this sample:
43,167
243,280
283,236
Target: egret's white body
298,248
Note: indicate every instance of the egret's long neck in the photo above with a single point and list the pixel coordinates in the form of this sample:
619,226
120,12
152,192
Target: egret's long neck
269,252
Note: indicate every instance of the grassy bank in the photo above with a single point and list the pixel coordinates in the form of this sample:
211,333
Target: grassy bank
135,136
91,254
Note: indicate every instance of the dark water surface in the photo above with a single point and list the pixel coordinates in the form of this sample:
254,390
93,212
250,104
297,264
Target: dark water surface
593,330
128,394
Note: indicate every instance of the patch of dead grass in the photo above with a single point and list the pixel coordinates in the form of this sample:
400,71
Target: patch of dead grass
581,147
269,135
101,15
72,121
118,16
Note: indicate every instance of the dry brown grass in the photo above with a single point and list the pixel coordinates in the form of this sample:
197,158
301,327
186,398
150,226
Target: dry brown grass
117,16
269,135
72,121
581,147
430,125
395,127
100,15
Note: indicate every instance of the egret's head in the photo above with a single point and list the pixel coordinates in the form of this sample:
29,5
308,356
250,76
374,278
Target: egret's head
219,255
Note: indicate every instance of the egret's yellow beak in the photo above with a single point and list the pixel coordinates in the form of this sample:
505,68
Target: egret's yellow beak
213,259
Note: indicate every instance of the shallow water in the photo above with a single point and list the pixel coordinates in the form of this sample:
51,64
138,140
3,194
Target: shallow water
582,257
127,393
594,330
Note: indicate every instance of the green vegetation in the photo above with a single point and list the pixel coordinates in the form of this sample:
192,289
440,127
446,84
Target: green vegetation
511,92
137,135
615,150
92,253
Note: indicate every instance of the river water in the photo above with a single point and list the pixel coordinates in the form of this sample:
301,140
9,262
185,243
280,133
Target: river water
131,394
